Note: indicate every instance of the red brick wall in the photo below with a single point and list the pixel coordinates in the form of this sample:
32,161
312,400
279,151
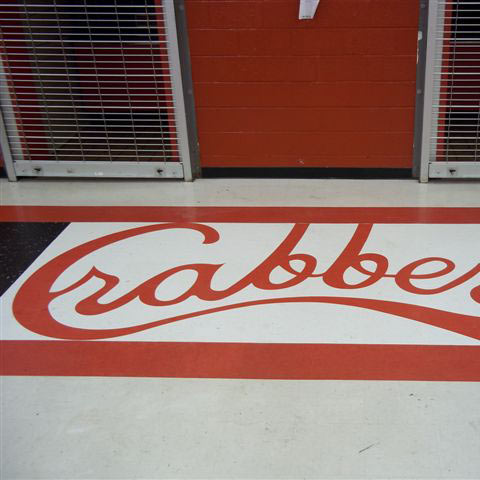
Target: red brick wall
336,91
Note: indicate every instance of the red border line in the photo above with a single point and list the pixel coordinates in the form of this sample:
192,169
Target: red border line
242,360
241,214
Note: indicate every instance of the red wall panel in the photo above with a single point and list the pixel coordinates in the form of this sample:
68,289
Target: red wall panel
272,90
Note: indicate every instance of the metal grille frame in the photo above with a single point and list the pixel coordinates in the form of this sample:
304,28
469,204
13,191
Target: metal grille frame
451,109
92,89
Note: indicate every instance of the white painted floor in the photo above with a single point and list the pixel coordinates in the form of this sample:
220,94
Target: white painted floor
243,192
129,428
171,428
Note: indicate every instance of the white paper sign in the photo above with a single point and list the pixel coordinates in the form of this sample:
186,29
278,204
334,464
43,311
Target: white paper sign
307,9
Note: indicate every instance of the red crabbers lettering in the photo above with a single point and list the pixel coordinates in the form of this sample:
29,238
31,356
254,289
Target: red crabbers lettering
31,303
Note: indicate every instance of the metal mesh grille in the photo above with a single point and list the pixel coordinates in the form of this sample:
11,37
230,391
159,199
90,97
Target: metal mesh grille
456,103
88,81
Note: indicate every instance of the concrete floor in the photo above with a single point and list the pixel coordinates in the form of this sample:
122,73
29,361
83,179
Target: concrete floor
242,192
129,428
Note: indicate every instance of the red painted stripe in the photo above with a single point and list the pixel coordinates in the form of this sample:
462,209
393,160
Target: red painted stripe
242,360
240,214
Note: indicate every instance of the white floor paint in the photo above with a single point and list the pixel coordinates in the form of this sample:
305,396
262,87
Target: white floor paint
156,428
240,249
242,192
120,428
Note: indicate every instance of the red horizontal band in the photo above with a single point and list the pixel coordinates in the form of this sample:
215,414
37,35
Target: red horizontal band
241,214
242,360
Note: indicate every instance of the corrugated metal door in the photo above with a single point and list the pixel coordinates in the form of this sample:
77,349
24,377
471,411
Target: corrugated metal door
93,88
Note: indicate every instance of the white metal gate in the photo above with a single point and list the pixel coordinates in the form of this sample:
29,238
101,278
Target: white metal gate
451,117
92,88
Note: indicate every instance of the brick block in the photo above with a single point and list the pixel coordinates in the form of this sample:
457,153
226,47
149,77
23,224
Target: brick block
250,69
306,143
213,42
344,13
305,95
322,161
290,120
224,14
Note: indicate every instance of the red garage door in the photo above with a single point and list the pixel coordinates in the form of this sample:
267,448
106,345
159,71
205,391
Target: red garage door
275,91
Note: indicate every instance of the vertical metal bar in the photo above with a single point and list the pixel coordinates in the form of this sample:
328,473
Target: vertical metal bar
420,83
475,153
451,80
52,143
430,120
5,100
99,89
14,127
185,64
127,84
176,79
6,152
151,37
62,40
